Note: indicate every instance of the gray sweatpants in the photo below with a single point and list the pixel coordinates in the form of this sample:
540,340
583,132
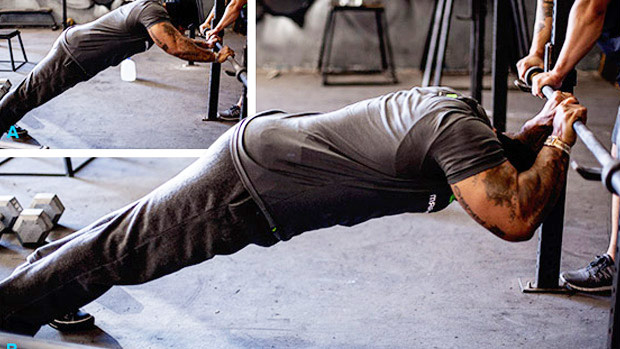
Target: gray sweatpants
55,74
202,212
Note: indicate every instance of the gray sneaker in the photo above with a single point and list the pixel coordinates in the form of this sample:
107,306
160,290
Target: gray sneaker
598,276
231,114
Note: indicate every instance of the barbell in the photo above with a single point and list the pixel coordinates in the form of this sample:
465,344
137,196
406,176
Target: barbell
609,175
240,70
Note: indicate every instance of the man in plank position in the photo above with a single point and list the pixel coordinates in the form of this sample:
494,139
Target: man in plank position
82,51
275,176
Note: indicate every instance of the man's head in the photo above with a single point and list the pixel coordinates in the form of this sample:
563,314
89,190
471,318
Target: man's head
182,13
518,154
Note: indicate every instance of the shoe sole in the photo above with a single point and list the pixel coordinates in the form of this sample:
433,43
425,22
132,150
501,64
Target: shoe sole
585,289
225,118
72,326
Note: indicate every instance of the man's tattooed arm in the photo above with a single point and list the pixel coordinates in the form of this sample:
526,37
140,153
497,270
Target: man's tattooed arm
543,23
166,36
510,204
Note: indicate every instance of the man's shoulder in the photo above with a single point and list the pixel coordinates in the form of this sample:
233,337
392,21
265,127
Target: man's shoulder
140,5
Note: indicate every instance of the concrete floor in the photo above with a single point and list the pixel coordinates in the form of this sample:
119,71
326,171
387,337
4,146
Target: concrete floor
162,109
408,281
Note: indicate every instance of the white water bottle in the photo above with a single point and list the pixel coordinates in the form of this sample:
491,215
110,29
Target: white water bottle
128,70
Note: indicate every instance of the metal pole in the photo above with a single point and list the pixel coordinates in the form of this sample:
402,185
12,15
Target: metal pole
216,68
69,167
192,35
476,52
65,25
550,246
501,28
613,333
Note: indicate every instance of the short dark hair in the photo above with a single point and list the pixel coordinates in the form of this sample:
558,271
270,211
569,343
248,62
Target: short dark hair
183,12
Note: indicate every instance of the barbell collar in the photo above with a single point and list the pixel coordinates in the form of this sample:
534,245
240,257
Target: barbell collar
607,176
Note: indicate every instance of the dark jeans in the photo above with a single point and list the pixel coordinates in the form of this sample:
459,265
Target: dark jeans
55,74
202,212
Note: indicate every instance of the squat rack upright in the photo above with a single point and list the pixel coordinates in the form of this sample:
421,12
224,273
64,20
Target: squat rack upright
215,72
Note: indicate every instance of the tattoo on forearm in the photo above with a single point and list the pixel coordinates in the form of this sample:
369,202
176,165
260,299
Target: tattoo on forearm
492,228
185,48
547,7
543,183
543,14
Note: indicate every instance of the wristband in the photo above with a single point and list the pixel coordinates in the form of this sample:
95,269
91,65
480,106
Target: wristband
553,141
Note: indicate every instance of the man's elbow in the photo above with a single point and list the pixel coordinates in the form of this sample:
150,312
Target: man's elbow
517,232
172,50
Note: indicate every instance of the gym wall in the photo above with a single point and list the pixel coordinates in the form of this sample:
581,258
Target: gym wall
282,44
81,11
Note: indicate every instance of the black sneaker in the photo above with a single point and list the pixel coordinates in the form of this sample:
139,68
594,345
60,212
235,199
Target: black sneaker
232,114
596,277
74,321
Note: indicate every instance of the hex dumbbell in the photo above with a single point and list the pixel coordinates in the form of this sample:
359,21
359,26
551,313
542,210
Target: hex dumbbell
35,223
10,209
32,227
50,203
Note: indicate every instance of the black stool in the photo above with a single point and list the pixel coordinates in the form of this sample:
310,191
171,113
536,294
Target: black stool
385,47
8,35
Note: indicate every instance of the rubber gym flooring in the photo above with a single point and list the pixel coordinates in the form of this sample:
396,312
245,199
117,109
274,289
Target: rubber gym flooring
163,108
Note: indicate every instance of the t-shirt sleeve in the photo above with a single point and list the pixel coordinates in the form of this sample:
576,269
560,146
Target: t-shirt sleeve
466,146
151,14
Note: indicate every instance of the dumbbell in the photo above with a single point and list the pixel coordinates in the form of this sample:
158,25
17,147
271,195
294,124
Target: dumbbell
35,223
9,211
5,87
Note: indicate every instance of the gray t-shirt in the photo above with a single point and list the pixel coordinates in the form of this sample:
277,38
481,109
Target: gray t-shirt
112,38
387,155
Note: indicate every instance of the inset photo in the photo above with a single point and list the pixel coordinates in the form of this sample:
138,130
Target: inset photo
142,74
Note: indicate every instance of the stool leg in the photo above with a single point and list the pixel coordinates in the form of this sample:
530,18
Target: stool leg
11,53
384,64
21,43
330,42
388,44
324,40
